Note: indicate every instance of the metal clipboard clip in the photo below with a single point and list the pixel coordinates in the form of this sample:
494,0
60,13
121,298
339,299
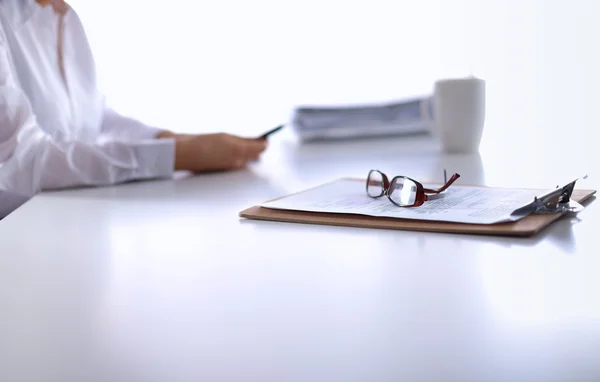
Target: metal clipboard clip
552,202
557,200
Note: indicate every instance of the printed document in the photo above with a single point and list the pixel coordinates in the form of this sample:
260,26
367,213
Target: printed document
459,204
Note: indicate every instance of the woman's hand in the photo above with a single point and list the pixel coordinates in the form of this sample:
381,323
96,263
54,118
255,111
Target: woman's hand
215,152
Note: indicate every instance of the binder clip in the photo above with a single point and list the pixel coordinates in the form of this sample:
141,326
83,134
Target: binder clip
557,200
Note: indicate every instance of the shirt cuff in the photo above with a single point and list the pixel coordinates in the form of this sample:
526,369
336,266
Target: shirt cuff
149,132
155,157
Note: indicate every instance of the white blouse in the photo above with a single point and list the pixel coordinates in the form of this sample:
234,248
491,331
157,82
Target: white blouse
55,130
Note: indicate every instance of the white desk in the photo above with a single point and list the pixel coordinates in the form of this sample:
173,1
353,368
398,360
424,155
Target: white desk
161,281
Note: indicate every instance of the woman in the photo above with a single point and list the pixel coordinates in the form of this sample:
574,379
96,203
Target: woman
56,132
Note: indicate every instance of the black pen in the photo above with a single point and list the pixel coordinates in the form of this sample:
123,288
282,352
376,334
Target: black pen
272,131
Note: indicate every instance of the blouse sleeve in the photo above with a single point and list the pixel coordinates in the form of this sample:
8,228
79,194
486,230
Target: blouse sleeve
120,127
31,160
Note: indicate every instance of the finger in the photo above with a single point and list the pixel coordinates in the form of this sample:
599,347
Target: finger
239,155
239,163
246,150
256,146
239,150
254,157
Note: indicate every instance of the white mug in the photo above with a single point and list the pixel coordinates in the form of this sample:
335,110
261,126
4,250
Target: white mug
456,113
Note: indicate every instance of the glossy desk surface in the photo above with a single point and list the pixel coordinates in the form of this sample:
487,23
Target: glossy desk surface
161,281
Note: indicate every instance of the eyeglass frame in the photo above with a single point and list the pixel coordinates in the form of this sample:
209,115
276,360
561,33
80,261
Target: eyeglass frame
422,192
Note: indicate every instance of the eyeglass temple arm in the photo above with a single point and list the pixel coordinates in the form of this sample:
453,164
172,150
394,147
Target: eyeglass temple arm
444,187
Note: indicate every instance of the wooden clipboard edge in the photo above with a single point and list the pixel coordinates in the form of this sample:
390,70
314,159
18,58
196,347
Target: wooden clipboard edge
528,226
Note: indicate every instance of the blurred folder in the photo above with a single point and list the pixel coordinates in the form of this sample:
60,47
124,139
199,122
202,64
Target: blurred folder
369,120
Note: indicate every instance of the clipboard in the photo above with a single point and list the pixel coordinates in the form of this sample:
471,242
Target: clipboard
527,226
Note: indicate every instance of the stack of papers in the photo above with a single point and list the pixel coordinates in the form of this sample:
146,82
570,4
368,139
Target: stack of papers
399,118
458,204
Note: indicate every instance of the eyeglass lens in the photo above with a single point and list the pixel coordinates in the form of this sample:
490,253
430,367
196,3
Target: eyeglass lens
403,191
375,184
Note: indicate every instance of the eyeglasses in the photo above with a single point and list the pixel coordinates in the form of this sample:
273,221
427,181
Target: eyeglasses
402,190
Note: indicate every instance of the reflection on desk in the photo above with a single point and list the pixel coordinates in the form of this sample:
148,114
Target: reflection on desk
160,281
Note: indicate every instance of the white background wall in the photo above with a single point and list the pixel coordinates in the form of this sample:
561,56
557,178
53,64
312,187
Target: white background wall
242,66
